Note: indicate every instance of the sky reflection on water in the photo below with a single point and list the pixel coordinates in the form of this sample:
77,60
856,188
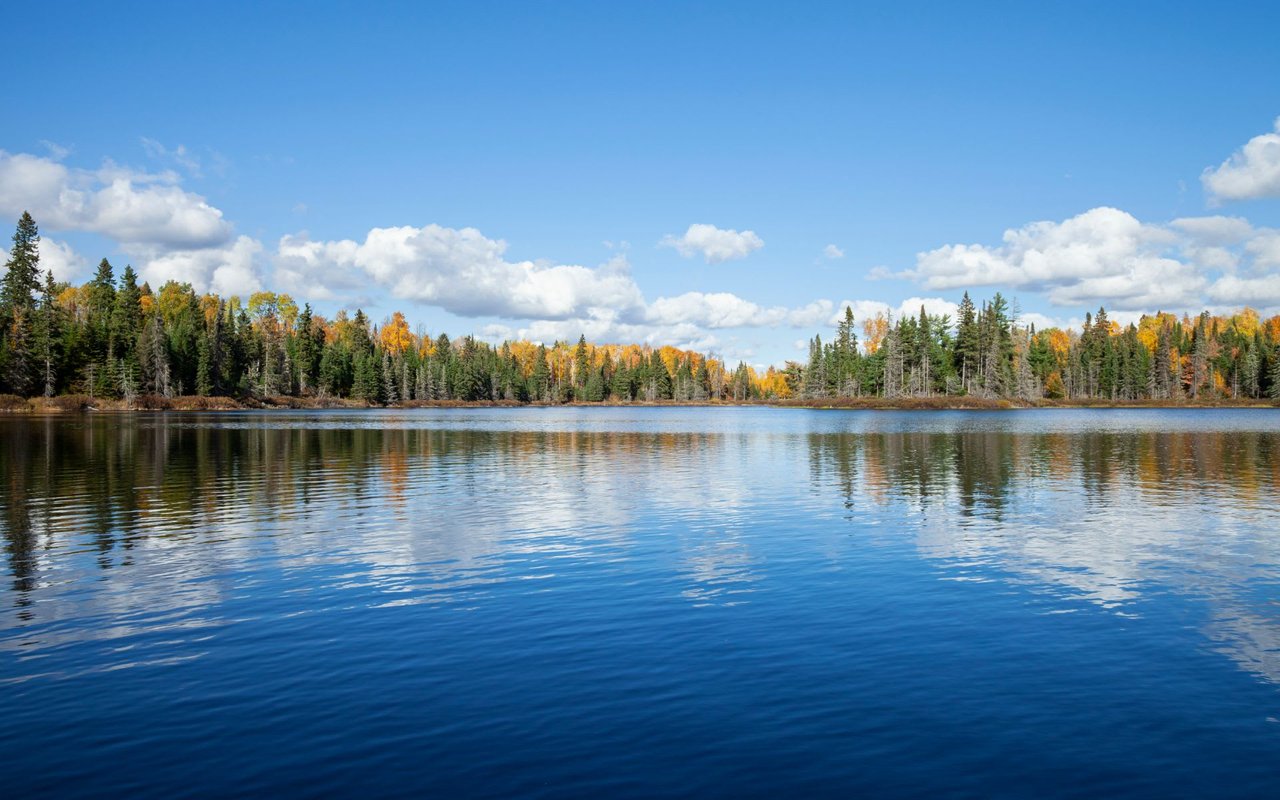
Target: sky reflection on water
151,544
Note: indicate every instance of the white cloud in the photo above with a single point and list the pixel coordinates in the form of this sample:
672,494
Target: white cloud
868,309
466,273
812,315
607,330
727,310
233,269
1041,321
716,245
1234,291
1264,249
1251,172
129,206
714,310
831,252
60,258
321,271
461,271
1108,257
172,234
1215,230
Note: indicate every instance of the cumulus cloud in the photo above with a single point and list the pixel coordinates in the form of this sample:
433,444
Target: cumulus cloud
167,231
232,269
1215,230
715,245
461,271
713,310
129,206
1231,290
1264,249
467,273
1108,257
62,260
1251,172
831,252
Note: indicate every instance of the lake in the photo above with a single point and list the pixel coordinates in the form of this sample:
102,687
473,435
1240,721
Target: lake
638,601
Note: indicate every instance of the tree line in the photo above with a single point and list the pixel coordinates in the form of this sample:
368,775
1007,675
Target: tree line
986,352
115,338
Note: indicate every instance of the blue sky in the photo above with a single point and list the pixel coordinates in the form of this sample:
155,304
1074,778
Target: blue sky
382,154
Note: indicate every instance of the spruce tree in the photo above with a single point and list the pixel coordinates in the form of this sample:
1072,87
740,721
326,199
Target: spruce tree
540,378
18,307
621,386
48,332
581,365
204,367
102,303
967,347
308,350
127,314
22,276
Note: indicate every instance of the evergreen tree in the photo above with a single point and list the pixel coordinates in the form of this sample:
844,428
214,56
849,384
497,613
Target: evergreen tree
967,344
48,329
102,306
309,347
367,384
204,367
660,384
17,309
623,384
127,315
581,365
540,379
22,275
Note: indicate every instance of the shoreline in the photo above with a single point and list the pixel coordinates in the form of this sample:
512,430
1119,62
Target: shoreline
73,404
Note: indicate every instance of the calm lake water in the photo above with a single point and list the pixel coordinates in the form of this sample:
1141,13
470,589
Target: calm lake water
551,602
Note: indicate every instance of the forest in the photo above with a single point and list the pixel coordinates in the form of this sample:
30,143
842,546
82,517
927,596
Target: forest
112,338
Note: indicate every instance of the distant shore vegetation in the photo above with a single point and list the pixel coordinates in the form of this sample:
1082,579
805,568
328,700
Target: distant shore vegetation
116,343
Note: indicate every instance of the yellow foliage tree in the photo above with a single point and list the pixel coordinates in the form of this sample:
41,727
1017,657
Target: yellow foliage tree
395,335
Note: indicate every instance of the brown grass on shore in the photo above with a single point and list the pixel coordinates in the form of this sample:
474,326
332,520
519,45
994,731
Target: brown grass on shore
76,403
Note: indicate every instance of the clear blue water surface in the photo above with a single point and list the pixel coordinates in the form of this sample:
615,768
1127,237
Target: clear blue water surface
608,602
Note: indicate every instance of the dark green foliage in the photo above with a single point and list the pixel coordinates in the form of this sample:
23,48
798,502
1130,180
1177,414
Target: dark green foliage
18,356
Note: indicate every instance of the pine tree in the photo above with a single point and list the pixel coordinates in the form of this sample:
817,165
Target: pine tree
815,374
621,388
18,308
846,347
540,378
581,365
368,379
48,331
659,378
967,346
308,349
127,315
1275,374
204,367
701,382
22,276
